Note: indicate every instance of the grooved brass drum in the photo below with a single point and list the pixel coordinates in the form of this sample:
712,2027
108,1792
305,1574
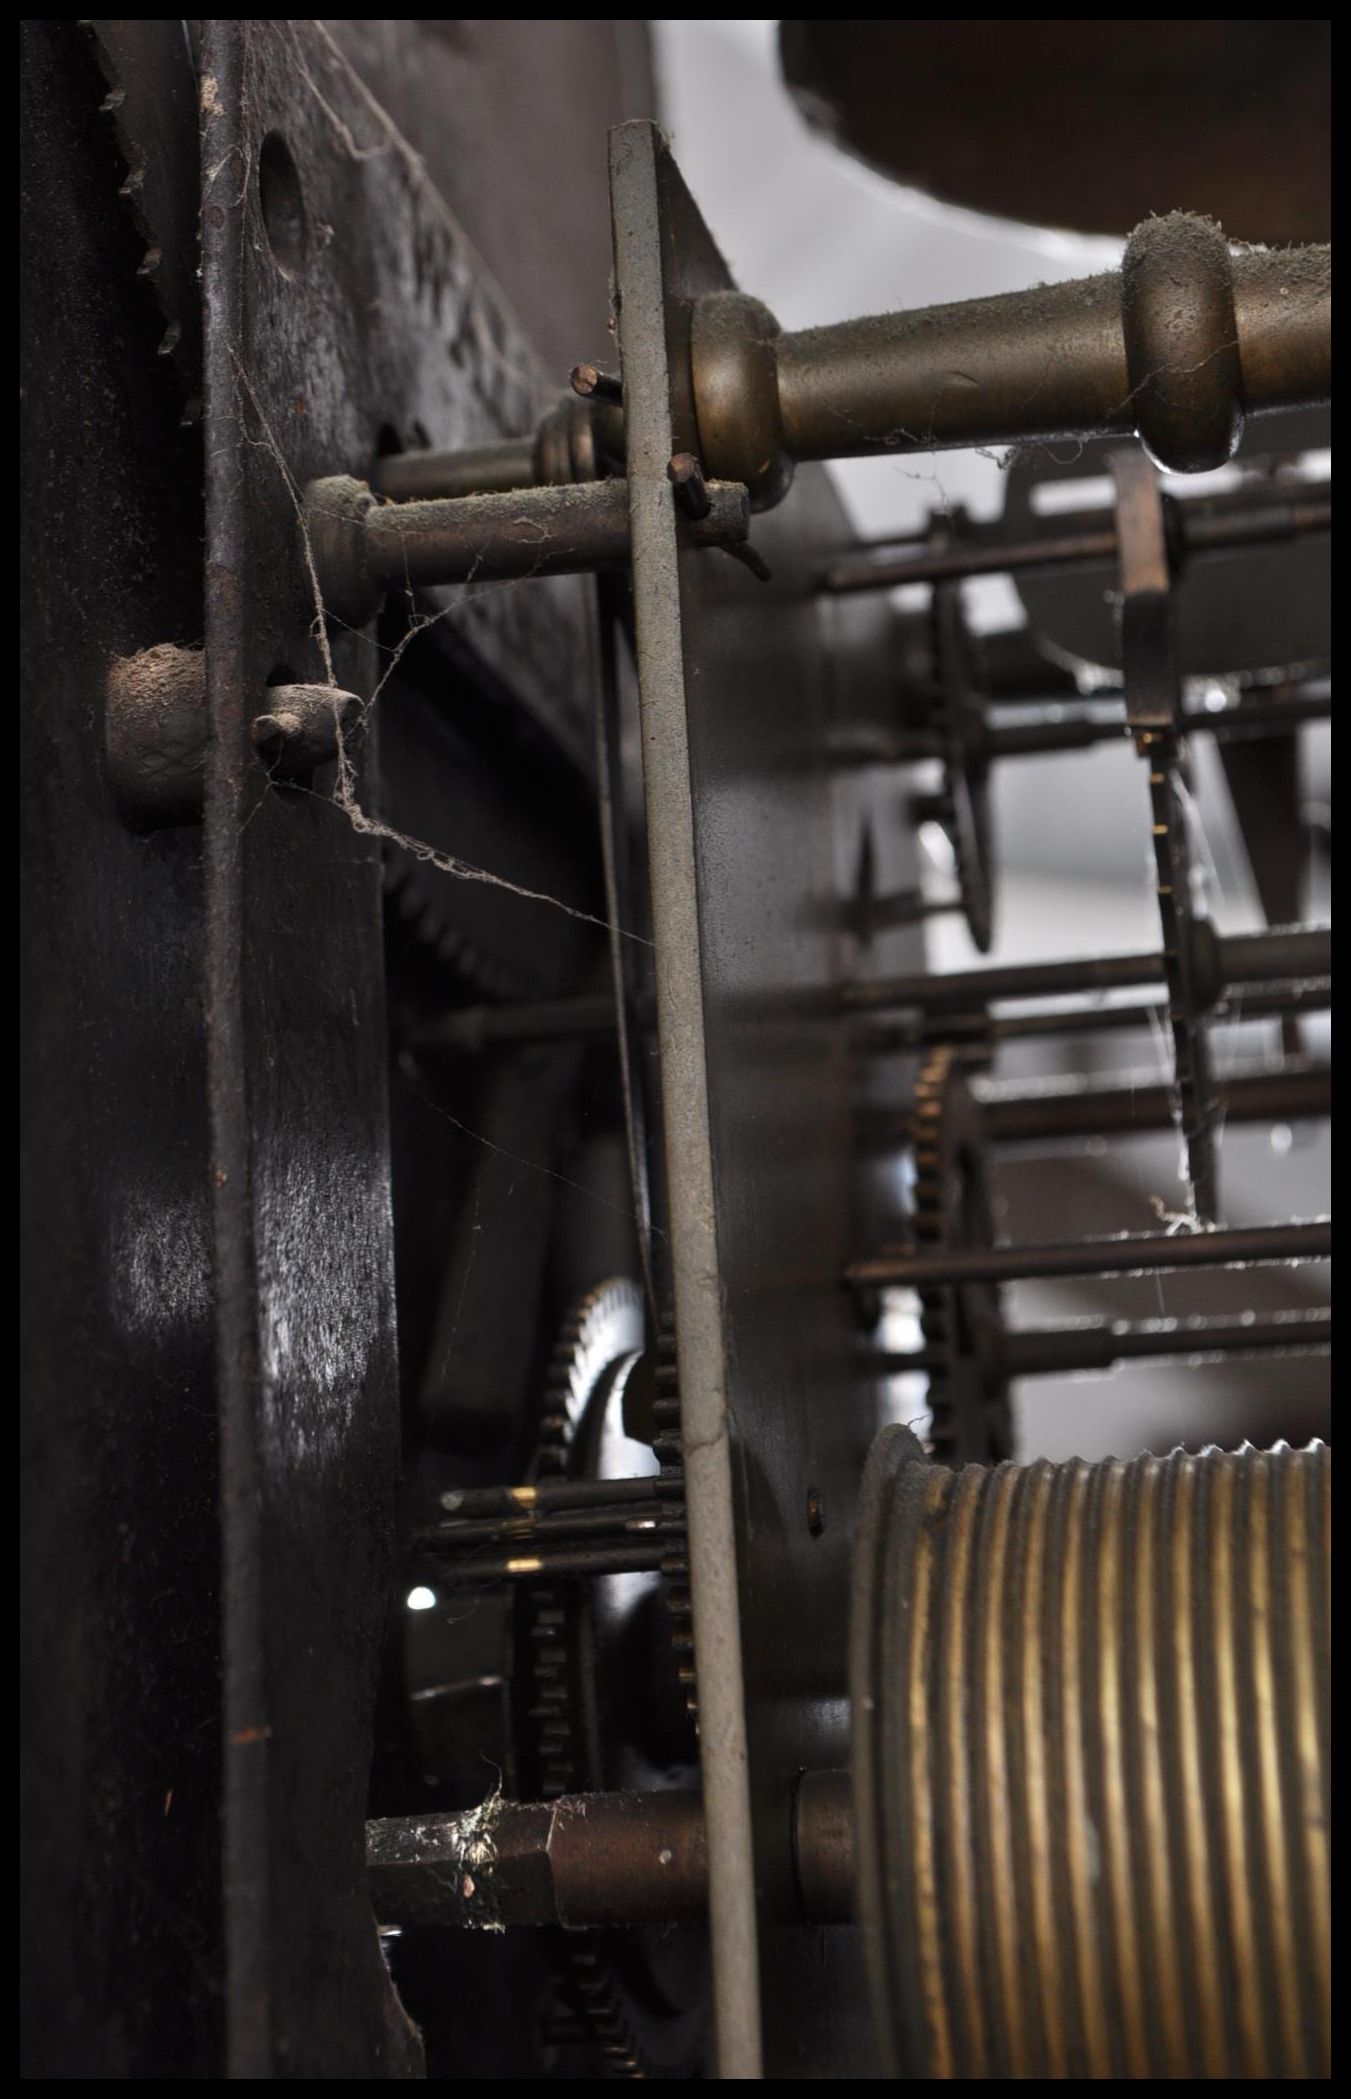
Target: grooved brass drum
1091,1764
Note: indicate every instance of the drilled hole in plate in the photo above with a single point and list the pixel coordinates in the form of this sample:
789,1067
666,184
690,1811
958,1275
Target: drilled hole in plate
283,205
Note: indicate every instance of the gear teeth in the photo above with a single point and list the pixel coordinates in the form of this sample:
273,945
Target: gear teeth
667,1445
407,886
961,806
154,135
593,2007
939,1131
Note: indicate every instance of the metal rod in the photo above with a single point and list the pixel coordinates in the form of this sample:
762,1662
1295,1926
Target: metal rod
475,470
592,1859
1246,718
1214,526
1056,361
549,1494
967,558
588,1859
1047,1351
1018,1027
1239,1246
1060,1351
362,548
1180,345
645,1520
548,1564
1082,731
471,1030
565,531
1299,1088
1249,958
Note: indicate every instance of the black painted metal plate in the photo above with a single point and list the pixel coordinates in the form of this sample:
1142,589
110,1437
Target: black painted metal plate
341,302
119,1950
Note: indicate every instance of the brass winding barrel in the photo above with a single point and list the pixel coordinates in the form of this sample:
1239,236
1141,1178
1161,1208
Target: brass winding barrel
1091,1764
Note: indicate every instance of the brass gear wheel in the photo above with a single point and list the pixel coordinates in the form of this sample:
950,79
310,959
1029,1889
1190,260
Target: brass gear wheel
963,1323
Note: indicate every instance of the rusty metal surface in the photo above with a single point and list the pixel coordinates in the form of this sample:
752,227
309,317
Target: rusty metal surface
754,847
1232,118
1093,1782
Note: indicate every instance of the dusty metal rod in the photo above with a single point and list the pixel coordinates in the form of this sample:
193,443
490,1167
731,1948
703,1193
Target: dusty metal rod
533,532
1247,718
1079,731
1285,954
1060,1351
1298,1089
591,1859
1017,1027
1215,526
470,1030
967,558
1068,360
1051,1350
1180,345
362,548
914,1031
1240,1246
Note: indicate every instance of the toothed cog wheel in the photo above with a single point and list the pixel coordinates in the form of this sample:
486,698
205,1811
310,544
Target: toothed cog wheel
962,1323
605,1697
965,812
